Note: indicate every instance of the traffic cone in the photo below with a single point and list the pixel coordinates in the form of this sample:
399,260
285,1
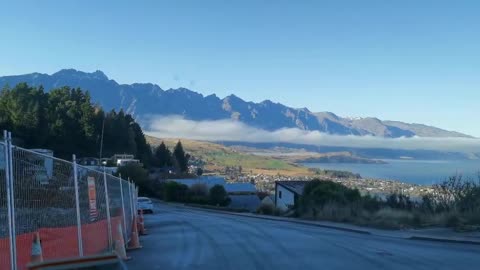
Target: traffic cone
134,241
36,255
141,223
120,245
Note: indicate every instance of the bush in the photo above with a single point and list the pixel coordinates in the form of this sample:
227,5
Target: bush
266,209
453,221
198,194
457,194
319,193
400,201
139,176
370,203
198,190
175,192
218,196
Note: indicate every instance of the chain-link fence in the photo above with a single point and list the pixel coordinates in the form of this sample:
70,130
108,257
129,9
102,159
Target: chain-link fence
58,209
4,232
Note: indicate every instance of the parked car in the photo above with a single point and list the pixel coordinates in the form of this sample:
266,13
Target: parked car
145,204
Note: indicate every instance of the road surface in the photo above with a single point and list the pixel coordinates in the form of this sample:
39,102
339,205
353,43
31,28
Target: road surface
182,238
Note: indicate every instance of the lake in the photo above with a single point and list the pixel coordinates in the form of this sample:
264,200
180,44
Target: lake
424,172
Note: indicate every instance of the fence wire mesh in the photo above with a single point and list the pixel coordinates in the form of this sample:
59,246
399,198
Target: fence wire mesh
93,213
4,232
44,195
128,207
45,205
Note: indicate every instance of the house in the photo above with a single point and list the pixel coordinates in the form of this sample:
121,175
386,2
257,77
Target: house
249,202
243,196
287,194
240,188
43,165
125,159
89,161
209,181
93,163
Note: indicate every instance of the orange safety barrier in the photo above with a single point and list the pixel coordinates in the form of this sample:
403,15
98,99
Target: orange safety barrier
59,243
24,250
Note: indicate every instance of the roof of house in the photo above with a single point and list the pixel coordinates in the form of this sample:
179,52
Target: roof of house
209,181
240,187
293,186
250,202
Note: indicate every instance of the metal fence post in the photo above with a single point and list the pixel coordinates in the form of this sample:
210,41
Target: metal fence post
123,208
77,205
107,202
136,199
10,198
130,198
134,203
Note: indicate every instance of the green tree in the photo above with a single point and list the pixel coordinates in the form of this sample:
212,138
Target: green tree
176,192
163,156
218,196
22,111
180,158
319,192
66,121
138,175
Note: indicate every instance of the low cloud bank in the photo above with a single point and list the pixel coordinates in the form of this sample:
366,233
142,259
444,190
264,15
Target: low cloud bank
229,130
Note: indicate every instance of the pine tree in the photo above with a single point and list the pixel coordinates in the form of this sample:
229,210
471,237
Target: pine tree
180,158
163,156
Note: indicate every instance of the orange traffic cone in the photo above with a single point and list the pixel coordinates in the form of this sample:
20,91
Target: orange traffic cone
120,245
141,223
36,255
134,241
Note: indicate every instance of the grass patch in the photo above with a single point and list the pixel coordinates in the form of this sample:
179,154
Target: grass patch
217,157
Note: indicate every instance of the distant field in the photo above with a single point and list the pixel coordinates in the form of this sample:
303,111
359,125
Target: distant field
218,157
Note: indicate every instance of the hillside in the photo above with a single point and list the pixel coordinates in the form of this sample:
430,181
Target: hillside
217,157
143,99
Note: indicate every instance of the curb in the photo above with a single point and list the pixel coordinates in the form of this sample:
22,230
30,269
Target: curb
364,232
445,240
281,220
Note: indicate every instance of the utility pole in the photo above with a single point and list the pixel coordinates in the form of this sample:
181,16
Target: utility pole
101,139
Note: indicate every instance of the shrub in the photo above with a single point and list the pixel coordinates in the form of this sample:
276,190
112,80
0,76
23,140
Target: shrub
318,192
266,209
198,194
457,194
453,221
218,196
175,192
198,190
370,203
400,201
138,175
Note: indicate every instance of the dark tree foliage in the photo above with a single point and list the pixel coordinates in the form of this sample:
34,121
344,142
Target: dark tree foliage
219,196
180,158
66,121
175,192
138,175
163,156
318,192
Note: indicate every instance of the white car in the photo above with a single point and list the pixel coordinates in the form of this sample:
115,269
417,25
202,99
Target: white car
145,204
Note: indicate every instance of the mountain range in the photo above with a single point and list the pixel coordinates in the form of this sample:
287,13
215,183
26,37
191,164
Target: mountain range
149,99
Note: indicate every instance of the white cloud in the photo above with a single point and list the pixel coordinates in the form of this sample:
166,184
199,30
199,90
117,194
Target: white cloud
229,130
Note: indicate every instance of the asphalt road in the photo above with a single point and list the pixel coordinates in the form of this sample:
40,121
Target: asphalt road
182,238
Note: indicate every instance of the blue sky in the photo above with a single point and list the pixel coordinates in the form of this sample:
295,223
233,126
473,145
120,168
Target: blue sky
414,61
